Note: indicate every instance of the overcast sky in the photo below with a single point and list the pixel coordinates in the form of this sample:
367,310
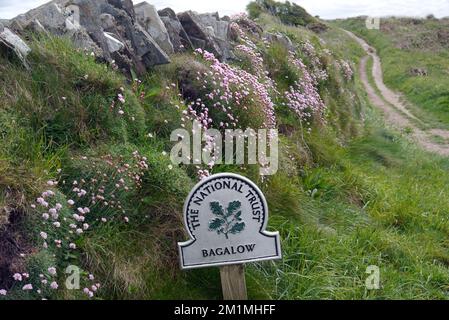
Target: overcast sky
327,9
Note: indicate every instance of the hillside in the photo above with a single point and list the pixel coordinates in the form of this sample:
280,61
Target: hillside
86,178
415,56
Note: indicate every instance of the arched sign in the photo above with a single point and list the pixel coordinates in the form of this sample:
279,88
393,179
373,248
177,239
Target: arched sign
226,216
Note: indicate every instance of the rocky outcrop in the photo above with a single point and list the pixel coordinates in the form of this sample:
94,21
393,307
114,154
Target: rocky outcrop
149,19
106,27
207,32
118,18
279,38
178,36
12,43
133,37
218,28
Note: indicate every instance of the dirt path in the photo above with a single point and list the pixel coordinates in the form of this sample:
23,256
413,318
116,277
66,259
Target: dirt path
396,113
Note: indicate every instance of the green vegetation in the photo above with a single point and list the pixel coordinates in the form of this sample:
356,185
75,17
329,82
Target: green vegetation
349,193
289,13
409,47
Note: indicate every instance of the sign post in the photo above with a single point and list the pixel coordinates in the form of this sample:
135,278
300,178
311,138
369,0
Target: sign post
226,216
233,282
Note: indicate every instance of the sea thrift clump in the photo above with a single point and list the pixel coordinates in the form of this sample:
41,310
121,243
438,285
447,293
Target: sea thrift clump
241,20
232,86
319,73
232,94
303,97
91,200
346,69
257,64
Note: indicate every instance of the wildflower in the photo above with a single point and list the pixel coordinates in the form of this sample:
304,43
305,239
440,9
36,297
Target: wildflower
17,277
71,202
126,219
72,246
27,287
43,235
52,271
3,292
54,285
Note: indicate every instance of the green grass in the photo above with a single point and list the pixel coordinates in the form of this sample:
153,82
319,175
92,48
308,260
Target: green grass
348,195
403,46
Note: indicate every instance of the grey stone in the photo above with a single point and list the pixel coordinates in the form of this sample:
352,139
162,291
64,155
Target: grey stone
202,36
37,26
149,19
178,36
280,38
140,47
51,15
220,27
106,27
114,44
126,5
107,21
82,40
13,43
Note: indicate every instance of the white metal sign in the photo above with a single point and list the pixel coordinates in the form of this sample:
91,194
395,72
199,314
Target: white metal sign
226,216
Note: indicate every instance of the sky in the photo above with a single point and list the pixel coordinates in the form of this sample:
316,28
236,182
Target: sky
327,9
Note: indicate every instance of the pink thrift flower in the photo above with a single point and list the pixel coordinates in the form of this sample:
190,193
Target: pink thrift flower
27,287
52,271
17,277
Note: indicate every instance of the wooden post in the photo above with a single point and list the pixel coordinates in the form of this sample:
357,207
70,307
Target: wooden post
233,282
